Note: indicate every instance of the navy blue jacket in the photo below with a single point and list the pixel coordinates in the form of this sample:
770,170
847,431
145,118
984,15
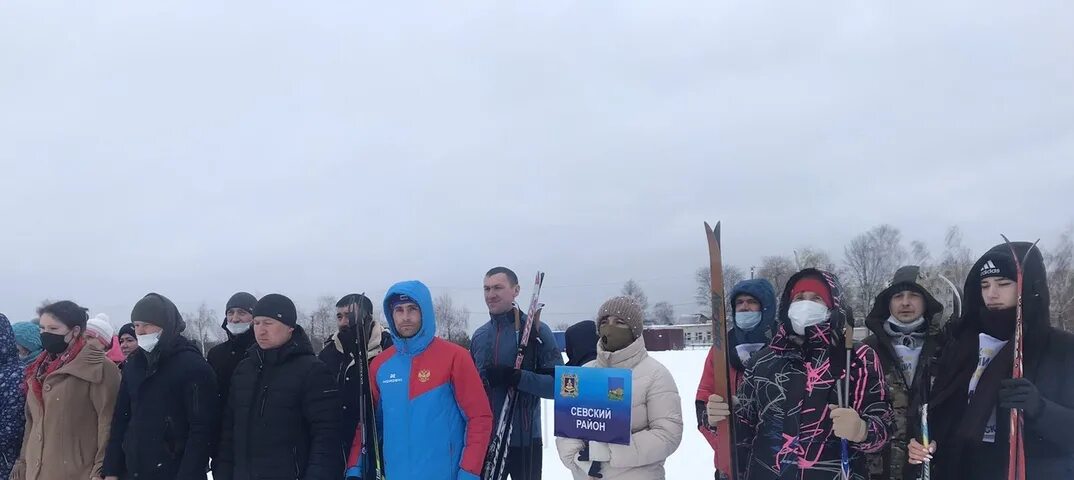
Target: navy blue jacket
496,343
165,415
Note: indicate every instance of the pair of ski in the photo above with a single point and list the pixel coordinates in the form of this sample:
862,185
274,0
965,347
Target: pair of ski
495,467
360,322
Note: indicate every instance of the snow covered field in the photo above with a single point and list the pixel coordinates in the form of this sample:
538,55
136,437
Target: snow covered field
693,459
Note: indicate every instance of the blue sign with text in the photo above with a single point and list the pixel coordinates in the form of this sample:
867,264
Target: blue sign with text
593,404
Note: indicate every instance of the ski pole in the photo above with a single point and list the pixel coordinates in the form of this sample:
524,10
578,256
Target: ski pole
357,322
956,298
848,343
956,302
926,468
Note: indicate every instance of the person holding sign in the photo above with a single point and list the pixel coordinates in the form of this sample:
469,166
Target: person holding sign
656,414
793,413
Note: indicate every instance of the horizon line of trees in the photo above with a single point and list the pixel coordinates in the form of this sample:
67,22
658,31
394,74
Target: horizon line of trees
866,266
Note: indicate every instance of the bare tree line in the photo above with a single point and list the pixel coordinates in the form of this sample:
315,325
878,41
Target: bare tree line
871,258
205,326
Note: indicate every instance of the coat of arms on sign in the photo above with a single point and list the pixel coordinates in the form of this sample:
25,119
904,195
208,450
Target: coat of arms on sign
570,386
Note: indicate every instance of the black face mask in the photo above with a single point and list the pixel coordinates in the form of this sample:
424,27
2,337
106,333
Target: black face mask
53,343
998,324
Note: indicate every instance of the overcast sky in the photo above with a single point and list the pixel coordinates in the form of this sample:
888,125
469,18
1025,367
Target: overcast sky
200,148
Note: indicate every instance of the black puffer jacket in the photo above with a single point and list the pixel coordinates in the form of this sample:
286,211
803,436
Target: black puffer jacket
165,410
224,358
281,421
1049,361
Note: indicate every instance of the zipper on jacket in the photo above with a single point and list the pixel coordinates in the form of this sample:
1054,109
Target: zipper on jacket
495,345
195,402
294,455
169,442
264,399
250,415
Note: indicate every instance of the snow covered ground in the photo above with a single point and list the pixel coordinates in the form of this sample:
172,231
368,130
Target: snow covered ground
693,459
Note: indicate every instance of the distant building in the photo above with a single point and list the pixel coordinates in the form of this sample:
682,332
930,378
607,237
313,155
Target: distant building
664,337
697,334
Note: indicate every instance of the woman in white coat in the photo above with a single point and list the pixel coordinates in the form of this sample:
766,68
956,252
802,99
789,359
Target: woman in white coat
656,412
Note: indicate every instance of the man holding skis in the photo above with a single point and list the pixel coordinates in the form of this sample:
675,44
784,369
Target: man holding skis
340,353
494,348
428,397
974,392
753,315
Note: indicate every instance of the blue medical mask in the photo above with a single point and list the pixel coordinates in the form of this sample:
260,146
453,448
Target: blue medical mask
747,320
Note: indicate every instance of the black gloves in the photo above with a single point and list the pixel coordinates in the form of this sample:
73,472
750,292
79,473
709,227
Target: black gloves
348,340
1021,393
502,376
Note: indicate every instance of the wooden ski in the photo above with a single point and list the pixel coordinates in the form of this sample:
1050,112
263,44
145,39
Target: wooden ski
725,449
1016,463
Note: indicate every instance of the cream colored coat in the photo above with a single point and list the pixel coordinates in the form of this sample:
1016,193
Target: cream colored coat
655,421
66,436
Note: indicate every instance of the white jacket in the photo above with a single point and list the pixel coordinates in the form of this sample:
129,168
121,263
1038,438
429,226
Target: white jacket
655,420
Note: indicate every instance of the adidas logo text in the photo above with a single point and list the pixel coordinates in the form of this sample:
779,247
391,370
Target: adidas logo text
989,268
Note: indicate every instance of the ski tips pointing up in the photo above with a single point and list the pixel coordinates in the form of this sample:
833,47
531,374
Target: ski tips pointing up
1015,254
715,232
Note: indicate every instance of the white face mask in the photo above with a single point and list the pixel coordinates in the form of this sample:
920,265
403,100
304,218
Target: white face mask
238,328
149,341
806,313
747,320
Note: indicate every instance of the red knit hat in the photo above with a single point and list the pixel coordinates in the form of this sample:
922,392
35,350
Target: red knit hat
815,285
